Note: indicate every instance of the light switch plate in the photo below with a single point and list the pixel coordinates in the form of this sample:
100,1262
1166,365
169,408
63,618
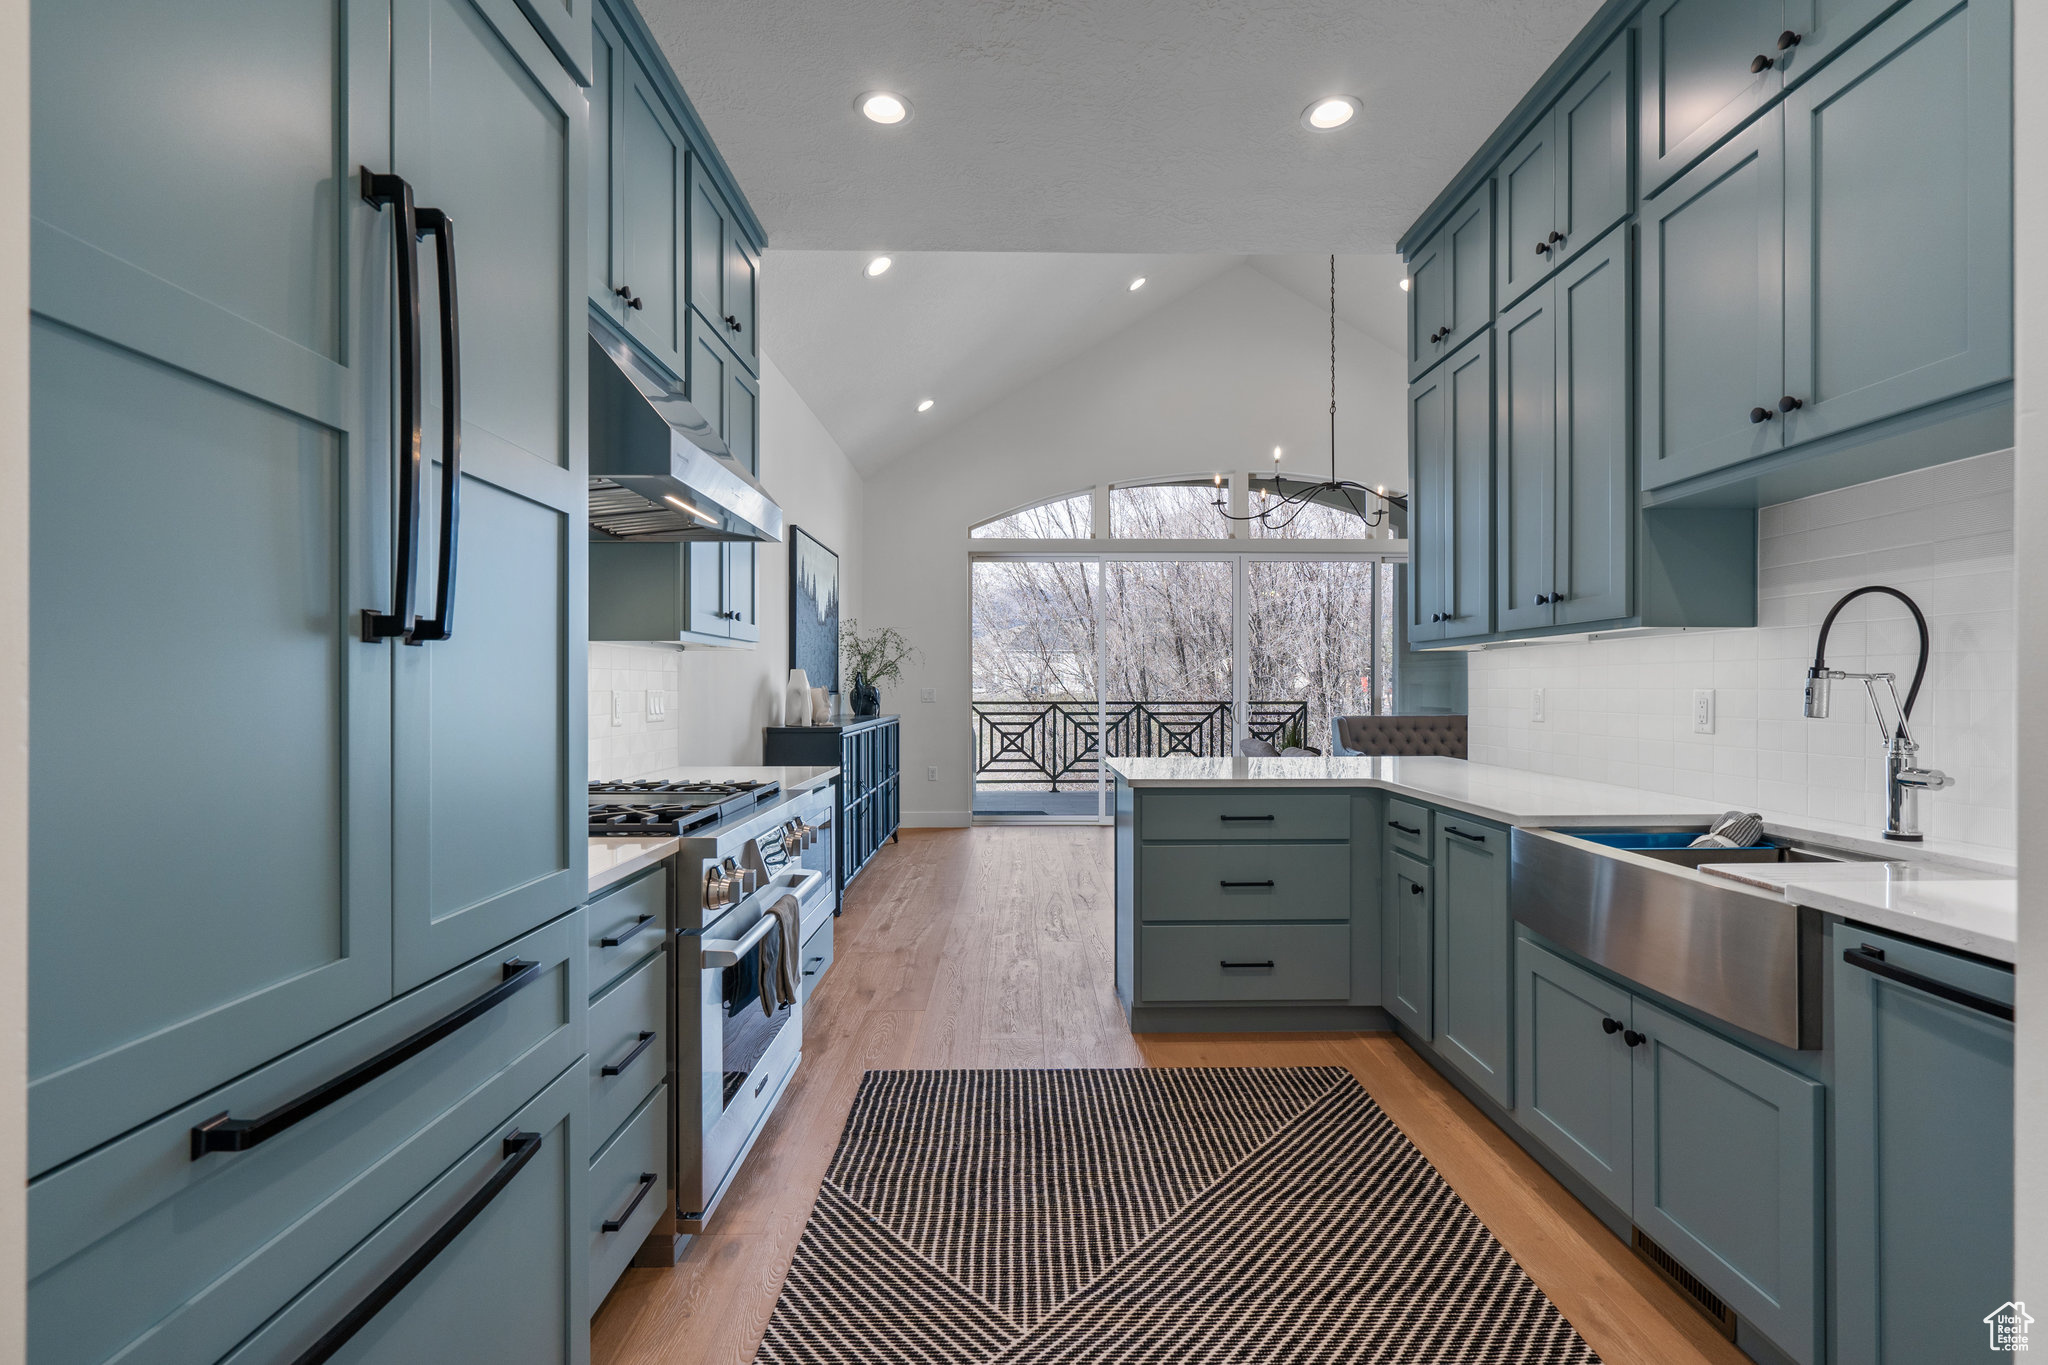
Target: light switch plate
657,704
928,694
931,773
1703,710
618,707
1536,706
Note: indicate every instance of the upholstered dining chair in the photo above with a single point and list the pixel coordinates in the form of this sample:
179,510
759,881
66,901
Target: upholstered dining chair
1399,736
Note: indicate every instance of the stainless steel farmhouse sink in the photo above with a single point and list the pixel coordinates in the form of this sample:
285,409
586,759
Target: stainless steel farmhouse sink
1634,901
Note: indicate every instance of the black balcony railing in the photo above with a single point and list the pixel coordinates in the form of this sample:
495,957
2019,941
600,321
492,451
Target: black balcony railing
1050,744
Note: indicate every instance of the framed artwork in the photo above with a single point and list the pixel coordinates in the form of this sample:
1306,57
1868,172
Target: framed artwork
813,609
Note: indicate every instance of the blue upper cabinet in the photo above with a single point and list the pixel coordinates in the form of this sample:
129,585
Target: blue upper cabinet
652,172
565,24
1450,295
1525,460
1713,335
1915,122
1568,179
1525,189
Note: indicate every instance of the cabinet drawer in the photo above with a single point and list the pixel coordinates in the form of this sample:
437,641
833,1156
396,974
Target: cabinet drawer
1244,881
625,925
1201,962
205,1251
1255,814
817,958
1410,828
509,1286
629,1040
628,1189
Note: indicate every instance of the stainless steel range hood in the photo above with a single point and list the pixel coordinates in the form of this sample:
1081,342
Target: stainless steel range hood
658,471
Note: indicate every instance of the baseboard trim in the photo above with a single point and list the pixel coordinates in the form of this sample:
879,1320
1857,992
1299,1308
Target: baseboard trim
936,819
1259,1019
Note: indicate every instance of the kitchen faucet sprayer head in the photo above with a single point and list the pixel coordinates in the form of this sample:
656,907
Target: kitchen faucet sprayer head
1817,687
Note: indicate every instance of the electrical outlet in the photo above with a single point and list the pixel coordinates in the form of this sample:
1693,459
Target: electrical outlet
1536,706
657,704
931,772
928,694
1703,710
618,708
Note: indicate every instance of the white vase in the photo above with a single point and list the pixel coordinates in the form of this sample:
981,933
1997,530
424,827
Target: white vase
821,709
796,699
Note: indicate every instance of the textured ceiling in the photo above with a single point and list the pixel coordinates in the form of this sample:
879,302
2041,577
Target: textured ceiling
966,328
1103,125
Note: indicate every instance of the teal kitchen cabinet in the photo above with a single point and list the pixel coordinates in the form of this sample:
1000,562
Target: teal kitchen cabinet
1727,1158
1450,288
1473,969
489,724
1574,1069
609,63
648,293
1923,1148
1915,121
1568,180
1565,490
674,592
567,26
725,268
1451,467
722,389
1409,943
1713,335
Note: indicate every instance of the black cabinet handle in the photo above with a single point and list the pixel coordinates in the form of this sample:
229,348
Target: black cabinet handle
625,935
1396,824
1475,838
812,967
1241,818
1790,404
1266,965
380,191
1872,960
1436,616
223,1134
1760,65
1610,1025
1788,40
1760,415
732,323
1542,248
1554,238
1228,885
625,292
1542,599
520,1148
1415,888
618,1067
1634,1039
441,625
647,1179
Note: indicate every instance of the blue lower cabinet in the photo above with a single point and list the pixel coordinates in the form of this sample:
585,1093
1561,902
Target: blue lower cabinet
1244,963
628,1044
1923,1149
1474,986
208,1247
500,1235
817,958
1409,944
1246,881
1727,1159
629,1188
1574,1075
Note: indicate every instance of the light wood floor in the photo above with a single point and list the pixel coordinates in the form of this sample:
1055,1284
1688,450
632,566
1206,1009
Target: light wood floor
992,947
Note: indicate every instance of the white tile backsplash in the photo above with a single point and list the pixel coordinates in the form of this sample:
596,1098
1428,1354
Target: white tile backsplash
1619,710
639,746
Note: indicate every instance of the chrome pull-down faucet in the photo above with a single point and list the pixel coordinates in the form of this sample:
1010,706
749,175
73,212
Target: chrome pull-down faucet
1904,778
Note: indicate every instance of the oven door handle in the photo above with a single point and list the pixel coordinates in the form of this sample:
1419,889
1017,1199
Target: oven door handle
726,952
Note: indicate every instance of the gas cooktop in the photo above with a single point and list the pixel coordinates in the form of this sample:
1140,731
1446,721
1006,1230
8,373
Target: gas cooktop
652,807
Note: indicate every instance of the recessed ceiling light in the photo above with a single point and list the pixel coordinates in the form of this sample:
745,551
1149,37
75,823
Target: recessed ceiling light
924,405
1137,284
1333,112
880,266
879,106
1404,284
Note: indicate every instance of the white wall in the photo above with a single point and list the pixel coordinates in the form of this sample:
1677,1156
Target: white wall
1211,382
719,699
1620,710
13,676
2030,153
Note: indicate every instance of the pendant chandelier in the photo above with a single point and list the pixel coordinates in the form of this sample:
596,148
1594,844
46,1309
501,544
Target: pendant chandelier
1278,512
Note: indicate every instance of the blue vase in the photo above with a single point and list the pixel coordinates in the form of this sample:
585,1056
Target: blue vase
867,698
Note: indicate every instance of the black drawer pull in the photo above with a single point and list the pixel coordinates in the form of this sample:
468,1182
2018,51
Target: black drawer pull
1396,824
1414,888
1475,838
618,1067
1230,885
619,936
1228,966
1610,1025
814,966
1872,960
520,1148
647,1179
1254,818
1634,1039
223,1134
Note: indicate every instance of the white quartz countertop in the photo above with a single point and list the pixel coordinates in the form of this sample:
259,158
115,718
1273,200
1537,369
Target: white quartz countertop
1956,894
615,858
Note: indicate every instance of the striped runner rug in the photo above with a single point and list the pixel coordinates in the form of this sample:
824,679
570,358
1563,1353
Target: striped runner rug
1269,1214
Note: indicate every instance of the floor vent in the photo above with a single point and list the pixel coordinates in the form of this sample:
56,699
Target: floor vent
1685,1282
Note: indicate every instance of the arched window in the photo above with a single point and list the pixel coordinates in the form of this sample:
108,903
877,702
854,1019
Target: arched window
1065,518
